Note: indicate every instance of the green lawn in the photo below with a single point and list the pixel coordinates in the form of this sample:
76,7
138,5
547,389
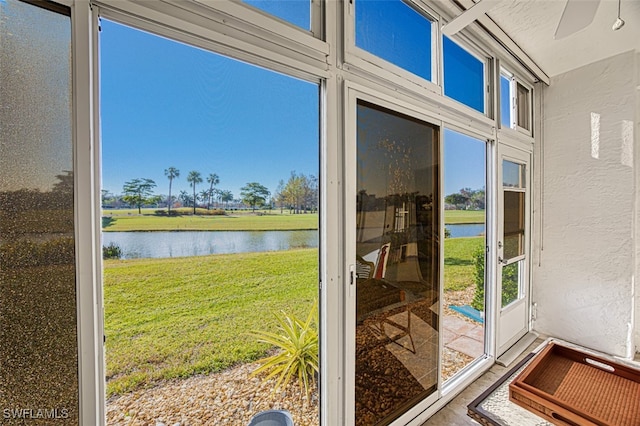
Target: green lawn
176,317
464,216
130,220
459,267
169,318
232,222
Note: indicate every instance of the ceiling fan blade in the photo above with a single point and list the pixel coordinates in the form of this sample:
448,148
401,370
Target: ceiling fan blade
577,15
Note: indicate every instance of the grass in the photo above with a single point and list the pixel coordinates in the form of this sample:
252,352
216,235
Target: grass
171,318
463,216
235,222
176,317
459,268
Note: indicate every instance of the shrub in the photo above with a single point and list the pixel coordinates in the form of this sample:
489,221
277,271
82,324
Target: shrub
478,297
509,281
297,342
112,251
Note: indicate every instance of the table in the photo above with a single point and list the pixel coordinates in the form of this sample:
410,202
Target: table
493,407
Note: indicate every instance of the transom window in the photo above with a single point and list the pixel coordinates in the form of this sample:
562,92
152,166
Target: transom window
515,103
396,32
296,12
464,75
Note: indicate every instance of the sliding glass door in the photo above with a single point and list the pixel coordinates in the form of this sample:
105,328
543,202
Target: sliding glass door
396,265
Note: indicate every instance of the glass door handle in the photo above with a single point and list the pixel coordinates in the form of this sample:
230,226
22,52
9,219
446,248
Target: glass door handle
503,261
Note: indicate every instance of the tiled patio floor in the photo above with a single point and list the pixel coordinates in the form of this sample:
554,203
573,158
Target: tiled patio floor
463,336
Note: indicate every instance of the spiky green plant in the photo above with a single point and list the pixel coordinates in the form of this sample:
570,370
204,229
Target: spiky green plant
297,356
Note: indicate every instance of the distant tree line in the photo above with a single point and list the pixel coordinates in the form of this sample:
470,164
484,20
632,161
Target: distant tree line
466,199
299,194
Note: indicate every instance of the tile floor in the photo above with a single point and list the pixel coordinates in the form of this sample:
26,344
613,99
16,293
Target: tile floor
463,336
455,412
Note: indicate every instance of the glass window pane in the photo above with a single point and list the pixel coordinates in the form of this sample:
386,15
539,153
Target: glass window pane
513,224
505,102
297,12
513,174
463,75
38,333
524,110
225,142
395,32
464,254
397,263
511,279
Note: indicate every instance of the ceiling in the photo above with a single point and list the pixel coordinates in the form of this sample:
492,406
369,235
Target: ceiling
532,24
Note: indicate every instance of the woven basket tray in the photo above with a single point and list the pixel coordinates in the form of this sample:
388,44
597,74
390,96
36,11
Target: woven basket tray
569,387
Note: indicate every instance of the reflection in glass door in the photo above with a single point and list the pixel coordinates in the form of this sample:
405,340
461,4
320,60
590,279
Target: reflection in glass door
397,263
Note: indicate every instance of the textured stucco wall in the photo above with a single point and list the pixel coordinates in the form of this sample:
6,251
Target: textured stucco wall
584,240
637,182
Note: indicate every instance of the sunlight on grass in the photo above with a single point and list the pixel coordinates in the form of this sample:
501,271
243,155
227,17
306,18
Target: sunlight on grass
170,318
464,216
242,222
459,267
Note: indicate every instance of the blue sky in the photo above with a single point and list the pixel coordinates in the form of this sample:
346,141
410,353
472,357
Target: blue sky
166,104
464,162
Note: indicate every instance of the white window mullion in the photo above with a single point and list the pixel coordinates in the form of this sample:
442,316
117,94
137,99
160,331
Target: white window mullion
87,201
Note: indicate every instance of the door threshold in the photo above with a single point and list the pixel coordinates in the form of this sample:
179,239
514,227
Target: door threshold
514,351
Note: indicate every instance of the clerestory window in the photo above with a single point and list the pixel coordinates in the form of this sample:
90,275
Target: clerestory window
397,32
464,75
515,103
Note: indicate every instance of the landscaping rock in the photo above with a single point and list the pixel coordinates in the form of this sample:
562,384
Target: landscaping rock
230,397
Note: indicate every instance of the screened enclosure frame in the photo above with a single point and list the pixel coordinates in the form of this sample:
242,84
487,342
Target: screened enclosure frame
328,58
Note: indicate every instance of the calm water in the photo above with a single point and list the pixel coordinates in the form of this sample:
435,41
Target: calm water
466,230
180,244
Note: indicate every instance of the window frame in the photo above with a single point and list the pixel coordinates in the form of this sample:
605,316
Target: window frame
514,81
359,59
353,93
482,56
262,18
298,60
236,30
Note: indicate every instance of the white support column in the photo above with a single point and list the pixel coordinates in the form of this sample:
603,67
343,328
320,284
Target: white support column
87,216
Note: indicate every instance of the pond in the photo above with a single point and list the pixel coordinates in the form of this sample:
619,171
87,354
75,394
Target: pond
136,245
466,229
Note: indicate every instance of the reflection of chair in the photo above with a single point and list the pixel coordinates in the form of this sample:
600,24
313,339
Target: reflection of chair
377,302
364,269
381,263
379,320
272,418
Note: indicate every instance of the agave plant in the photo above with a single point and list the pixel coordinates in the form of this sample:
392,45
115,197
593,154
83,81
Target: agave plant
297,342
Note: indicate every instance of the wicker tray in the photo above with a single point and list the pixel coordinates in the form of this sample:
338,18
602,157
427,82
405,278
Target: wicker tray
569,387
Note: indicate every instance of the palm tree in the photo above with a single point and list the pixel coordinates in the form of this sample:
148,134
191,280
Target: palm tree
194,178
213,179
225,197
171,173
205,194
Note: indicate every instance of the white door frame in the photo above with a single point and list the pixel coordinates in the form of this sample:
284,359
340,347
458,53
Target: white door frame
513,319
353,93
